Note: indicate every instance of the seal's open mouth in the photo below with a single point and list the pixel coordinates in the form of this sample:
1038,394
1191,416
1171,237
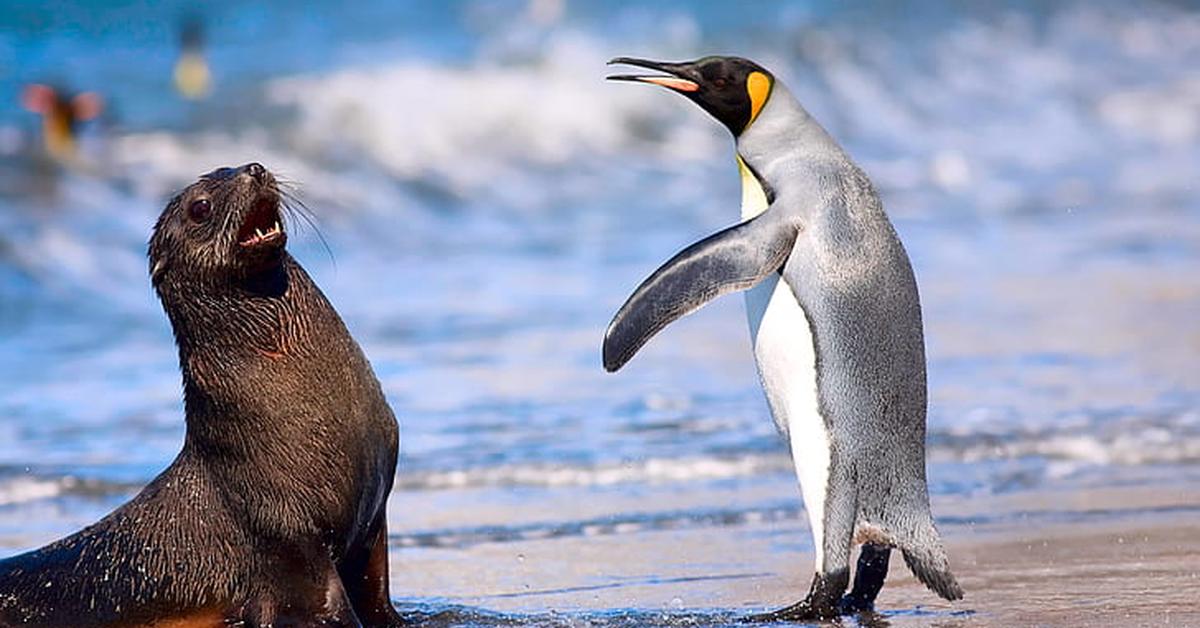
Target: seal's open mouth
262,227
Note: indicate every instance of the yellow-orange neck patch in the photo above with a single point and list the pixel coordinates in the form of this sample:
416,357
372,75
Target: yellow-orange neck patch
758,85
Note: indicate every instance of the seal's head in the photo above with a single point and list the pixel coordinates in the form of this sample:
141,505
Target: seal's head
222,230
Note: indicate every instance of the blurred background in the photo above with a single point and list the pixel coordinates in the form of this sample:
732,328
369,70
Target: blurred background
486,201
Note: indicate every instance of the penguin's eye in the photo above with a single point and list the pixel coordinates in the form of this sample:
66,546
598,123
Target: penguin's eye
720,83
200,210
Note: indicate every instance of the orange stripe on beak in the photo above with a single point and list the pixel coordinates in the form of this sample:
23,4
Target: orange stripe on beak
677,84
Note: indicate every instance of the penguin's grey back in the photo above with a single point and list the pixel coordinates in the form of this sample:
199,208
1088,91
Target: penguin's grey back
854,280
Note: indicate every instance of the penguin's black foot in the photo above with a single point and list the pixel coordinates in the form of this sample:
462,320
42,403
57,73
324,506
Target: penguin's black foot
803,610
868,580
820,604
852,604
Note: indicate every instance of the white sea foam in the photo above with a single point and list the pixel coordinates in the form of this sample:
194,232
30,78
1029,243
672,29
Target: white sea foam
649,471
474,127
17,490
984,112
1129,441
1148,445
1065,453
1004,112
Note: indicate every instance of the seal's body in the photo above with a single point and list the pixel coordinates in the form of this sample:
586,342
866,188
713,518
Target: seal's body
835,324
274,511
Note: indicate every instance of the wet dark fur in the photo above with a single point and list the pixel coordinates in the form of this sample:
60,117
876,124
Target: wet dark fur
273,512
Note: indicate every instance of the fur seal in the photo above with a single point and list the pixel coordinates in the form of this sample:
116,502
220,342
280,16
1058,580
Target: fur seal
273,513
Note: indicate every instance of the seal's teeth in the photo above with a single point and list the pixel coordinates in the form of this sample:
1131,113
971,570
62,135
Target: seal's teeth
277,227
259,233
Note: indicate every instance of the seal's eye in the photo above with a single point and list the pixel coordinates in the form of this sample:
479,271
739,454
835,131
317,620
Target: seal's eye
200,210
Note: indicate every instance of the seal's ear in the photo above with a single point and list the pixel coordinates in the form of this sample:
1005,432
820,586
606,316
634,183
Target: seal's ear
156,273
159,240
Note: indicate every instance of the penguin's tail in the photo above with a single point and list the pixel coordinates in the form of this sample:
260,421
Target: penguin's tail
926,558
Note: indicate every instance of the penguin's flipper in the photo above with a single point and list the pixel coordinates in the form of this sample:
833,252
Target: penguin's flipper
734,259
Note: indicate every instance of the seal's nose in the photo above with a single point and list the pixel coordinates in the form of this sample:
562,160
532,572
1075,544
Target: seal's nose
255,170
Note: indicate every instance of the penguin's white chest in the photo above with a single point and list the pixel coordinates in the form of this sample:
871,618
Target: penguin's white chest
786,360
784,354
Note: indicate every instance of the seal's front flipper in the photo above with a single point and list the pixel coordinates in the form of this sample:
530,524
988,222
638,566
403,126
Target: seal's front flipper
302,589
734,259
365,575
868,578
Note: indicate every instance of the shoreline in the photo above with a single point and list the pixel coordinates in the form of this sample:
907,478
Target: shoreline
636,555
1128,557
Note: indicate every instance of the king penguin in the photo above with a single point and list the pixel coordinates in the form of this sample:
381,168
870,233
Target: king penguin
835,325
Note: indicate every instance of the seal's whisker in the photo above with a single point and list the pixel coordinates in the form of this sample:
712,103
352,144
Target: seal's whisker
284,184
290,191
293,202
294,207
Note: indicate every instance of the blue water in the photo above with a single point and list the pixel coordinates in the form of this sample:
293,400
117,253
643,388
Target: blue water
487,201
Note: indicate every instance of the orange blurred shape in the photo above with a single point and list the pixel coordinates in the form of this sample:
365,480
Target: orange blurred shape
61,115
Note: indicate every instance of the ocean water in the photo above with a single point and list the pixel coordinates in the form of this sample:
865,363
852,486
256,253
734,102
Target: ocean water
486,201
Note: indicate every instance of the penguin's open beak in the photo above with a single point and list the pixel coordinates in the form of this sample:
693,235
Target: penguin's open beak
680,79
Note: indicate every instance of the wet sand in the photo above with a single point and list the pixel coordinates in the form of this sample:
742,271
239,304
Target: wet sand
1114,557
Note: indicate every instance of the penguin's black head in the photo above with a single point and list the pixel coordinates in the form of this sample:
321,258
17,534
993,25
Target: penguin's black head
731,89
